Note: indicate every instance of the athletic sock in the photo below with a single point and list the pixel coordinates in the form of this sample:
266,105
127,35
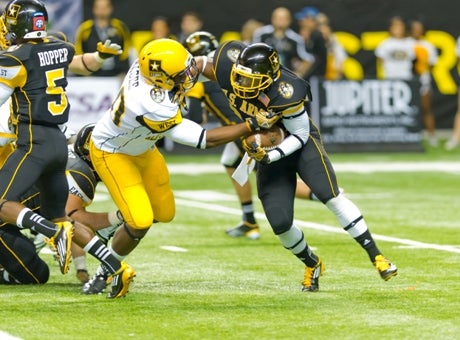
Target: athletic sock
27,219
294,240
98,249
248,212
366,241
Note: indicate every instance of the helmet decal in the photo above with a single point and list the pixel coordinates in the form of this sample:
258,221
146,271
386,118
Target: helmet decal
39,23
233,54
13,11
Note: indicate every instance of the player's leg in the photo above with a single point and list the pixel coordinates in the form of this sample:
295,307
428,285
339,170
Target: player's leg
316,170
21,263
276,185
230,158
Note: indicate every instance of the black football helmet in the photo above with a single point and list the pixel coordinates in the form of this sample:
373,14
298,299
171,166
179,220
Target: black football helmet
81,145
255,69
25,19
201,43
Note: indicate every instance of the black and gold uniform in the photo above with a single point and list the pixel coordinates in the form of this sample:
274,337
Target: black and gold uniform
36,73
253,80
210,94
88,35
18,254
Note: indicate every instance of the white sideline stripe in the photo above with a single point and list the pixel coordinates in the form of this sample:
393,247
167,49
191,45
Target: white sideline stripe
174,249
8,336
320,227
195,169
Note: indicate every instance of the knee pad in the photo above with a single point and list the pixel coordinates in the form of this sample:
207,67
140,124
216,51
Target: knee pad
231,156
135,234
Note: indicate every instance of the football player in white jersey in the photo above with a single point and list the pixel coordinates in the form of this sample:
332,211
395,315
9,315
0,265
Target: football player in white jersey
122,147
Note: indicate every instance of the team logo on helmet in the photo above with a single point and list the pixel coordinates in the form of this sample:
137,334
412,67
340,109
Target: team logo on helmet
286,90
13,11
155,68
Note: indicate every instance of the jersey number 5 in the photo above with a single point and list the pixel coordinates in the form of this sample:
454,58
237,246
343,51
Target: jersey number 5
54,107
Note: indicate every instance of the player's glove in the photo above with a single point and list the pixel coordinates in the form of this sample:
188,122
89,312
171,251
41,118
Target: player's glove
256,152
108,49
262,120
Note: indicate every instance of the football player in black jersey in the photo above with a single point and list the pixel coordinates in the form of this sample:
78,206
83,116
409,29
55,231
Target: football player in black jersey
209,94
253,80
33,71
19,256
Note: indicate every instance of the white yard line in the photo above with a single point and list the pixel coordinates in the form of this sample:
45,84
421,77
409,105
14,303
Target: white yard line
318,226
365,167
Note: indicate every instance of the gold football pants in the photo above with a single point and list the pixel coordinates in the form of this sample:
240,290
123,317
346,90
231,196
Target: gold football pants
139,185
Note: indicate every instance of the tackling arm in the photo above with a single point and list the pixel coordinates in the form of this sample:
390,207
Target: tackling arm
87,63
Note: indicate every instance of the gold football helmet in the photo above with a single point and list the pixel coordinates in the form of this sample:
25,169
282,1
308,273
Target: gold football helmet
256,68
166,64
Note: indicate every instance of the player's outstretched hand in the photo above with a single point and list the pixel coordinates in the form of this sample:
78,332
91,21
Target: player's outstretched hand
108,49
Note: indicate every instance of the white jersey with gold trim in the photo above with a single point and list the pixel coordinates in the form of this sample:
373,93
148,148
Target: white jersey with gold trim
140,116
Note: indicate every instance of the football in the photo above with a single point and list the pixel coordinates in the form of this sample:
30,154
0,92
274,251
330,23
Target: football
267,139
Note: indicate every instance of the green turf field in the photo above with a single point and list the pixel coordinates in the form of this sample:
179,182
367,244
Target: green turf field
193,282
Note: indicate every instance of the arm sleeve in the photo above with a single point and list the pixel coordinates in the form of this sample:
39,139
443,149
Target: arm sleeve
188,133
298,126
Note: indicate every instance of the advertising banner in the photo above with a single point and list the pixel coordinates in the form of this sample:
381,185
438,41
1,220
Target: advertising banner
89,98
368,115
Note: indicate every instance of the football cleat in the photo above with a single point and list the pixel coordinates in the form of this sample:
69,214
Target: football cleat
61,242
121,281
97,284
385,268
245,229
310,279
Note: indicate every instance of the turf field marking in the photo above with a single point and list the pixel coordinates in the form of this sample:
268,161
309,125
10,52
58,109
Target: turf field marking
174,249
364,167
8,336
318,226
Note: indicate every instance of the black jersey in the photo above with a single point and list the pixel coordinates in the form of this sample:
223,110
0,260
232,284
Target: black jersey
210,94
287,91
37,72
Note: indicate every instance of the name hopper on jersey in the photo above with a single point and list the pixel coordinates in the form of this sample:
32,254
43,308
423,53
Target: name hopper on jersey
57,56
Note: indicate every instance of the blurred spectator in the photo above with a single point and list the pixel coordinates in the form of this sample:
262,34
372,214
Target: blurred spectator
426,57
191,22
454,140
313,39
161,28
336,54
289,44
100,28
396,54
248,29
